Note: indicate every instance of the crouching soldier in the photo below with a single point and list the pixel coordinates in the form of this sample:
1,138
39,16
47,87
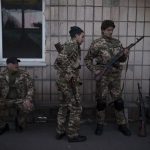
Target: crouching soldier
16,92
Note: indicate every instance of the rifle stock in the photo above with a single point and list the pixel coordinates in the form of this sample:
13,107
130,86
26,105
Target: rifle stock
58,47
115,59
142,120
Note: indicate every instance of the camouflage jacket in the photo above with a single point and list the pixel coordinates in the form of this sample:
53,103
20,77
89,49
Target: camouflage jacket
67,63
100,53
23,85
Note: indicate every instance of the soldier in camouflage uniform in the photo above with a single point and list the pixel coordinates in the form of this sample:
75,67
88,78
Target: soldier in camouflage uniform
100,53
68,82
16,91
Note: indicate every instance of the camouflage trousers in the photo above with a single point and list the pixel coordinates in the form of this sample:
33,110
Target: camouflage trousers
11,111
109,85
68,117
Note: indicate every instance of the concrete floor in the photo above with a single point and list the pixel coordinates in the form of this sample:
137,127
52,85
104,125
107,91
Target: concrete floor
41,136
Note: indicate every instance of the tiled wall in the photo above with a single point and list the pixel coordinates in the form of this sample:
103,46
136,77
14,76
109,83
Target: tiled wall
132,19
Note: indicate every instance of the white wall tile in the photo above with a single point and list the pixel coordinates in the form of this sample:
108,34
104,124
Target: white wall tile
80,13
47,2
123,13
98,13
147,14
54,13
63,28
140,14
123,2
147,3
115,13
98,2
132,14
53,41
123,28
106,13
80,2
89,2
47,13
71,2
97,28
89,13
63,2
89,28
146,72
138,58
139,29
146,43
71,13
140,3
54,28
53,2
62,13
131,29
123,41
146,58
131,58
137,72
147,29
132,2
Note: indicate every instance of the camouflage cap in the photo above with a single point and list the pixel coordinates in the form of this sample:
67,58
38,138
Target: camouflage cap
13,60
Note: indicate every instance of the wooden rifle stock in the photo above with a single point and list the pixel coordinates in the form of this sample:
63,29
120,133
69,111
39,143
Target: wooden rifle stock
142,119
58,47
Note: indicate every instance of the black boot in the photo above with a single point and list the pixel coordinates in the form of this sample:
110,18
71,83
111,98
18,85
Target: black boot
123,129
18,127
4,129
78,138
60,136
99,129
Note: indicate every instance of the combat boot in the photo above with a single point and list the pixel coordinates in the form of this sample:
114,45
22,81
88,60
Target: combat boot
79,138
99,129
18,127
123,129
4,129
60,136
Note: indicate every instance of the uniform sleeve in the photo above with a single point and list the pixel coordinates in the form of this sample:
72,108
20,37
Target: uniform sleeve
123,58
92,53
30,87
63,63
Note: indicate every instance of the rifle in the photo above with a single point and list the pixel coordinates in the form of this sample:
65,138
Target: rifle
142,119
115,59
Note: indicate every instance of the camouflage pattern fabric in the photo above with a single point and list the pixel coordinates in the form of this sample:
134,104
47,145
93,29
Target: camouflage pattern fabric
67,65
100,53
11,105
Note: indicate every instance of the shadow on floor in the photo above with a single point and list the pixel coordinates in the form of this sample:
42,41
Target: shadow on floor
41,136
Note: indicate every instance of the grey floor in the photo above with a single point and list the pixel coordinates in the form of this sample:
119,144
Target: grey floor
41,136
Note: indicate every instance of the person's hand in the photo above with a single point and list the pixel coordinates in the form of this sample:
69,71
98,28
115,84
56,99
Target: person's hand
72,81
126,51
97,73
27,104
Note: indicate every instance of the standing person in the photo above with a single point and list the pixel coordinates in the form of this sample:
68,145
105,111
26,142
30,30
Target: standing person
67,65
100,53
16,92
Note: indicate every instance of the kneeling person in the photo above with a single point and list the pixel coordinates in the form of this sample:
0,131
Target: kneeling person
16,91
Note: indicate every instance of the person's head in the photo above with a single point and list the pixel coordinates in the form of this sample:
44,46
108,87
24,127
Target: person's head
12,63
77,34
107,28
